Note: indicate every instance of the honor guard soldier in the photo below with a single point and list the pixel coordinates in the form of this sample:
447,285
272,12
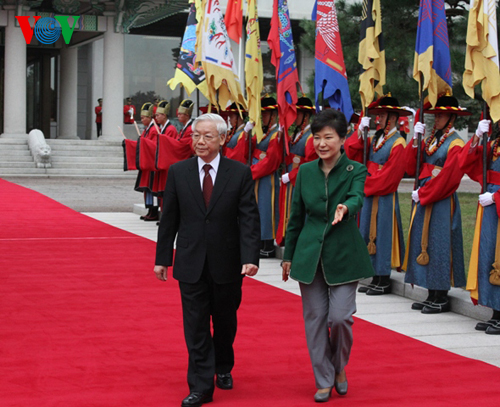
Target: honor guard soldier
128,112
98,117
236,146
434,257
380,220
266,160
483,280
145,179
184,113
301,150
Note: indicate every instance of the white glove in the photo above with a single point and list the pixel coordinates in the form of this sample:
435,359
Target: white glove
131,112
486,198
483,127
280,128
248,127
365,123
285,178
414,196
418,128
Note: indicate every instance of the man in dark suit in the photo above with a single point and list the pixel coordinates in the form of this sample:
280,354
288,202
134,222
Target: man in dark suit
209,204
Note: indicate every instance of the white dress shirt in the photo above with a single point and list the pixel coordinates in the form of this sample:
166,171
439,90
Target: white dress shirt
212,172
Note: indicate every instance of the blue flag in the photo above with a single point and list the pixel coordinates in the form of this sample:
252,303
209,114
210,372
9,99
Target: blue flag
432,49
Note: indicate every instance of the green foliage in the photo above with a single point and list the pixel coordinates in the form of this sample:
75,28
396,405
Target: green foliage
399,30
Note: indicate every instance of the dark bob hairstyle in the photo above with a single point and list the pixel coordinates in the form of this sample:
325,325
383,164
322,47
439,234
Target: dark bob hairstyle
332,118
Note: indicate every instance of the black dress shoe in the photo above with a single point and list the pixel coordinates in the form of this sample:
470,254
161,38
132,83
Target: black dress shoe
379,290
224,381
493,329
437,307
196,399
483,326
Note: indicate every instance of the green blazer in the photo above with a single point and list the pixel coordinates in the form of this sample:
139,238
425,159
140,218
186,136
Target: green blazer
310,236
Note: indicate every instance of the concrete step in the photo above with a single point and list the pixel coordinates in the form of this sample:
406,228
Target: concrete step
81,149
14,153
86,160
14,157
21,171
87,153
79,172
87,166
15,164
63,142
13,147
12,141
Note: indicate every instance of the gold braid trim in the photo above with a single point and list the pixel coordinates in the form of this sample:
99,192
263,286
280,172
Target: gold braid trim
423,258
495,273
372,248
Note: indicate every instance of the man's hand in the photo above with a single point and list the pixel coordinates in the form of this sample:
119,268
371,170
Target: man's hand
486,199
248,127
364,124
249,269
415,196
286,266
161,272
285,178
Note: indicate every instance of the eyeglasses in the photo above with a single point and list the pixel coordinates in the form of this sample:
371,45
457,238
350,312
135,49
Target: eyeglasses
207,137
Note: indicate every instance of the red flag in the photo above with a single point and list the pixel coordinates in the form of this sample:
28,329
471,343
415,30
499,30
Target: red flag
234,19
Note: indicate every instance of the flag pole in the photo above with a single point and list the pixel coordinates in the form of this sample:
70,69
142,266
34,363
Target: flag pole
485,150
198,101
419,135
365,139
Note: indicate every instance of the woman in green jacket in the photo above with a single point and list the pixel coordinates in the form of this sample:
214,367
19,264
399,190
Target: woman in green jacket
325,252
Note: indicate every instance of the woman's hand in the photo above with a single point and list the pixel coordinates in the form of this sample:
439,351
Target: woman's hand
286,267
339,213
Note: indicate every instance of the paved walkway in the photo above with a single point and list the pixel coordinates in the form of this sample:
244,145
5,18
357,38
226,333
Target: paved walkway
450,331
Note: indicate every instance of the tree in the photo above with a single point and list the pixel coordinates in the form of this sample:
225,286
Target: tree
399,28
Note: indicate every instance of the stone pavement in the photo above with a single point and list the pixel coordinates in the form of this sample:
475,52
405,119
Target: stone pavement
451,331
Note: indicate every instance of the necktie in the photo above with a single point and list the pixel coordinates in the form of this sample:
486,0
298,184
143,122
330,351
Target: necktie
208,185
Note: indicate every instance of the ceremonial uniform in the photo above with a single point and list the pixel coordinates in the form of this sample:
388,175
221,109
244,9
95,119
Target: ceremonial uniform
236,147
128,112
300,151
186,131
483,280
380,219
434,254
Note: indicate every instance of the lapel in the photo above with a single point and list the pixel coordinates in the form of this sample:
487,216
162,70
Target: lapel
220,182
194,183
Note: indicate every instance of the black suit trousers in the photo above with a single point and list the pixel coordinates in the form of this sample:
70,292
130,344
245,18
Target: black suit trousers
209,354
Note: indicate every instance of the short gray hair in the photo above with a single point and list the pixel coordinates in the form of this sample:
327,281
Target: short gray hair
219,122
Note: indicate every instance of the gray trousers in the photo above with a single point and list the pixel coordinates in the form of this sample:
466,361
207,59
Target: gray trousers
328,321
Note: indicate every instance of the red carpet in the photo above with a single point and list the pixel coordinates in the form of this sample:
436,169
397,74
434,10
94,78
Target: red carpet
84,322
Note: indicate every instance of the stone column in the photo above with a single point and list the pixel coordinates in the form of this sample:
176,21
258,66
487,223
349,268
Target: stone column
69,93
113,77
14,81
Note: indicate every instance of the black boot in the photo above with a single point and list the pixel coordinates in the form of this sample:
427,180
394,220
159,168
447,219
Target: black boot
153,217
373,283
419,306
440,304
147,214
383,287
268,251
495,319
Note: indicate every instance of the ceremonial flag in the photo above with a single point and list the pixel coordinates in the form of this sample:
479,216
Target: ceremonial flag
330,73
432,50
280,41
371,52
481,57
253,68
187,73
234,19
216,57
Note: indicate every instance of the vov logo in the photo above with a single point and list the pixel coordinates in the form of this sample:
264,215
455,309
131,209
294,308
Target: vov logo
47,30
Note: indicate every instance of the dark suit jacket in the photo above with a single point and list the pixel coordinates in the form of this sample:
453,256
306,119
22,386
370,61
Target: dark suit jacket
226,234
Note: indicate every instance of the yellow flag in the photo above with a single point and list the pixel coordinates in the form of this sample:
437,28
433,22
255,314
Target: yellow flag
253,67
371,52
481,58
216,57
